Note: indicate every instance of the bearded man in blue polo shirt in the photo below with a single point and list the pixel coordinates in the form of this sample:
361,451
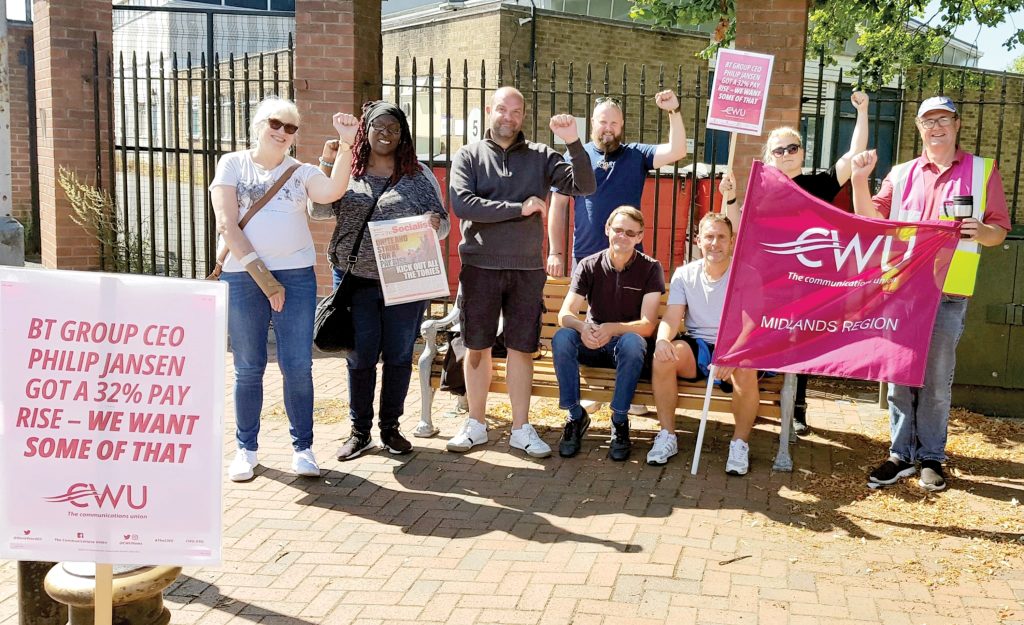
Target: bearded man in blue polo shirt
620,169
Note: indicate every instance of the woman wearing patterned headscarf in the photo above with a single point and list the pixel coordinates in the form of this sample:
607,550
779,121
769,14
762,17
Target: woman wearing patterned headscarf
387,182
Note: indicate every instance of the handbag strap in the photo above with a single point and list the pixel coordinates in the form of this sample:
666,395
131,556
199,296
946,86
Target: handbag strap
354,254
255,208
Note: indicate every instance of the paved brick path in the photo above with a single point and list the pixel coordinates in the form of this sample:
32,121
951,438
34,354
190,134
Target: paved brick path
494,537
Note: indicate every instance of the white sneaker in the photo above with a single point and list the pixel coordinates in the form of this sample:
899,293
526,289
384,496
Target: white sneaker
638,410
591,406
304,463
664,447
527,439
739,458
242,466
473,433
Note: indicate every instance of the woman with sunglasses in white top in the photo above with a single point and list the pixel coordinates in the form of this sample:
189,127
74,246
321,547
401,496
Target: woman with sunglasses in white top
785,152
269,272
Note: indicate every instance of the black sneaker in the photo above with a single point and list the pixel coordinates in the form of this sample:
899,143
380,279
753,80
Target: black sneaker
621,445
392,440
932,476
572,436
890,471
356,444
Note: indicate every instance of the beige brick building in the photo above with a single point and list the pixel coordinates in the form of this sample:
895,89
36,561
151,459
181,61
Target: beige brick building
494,42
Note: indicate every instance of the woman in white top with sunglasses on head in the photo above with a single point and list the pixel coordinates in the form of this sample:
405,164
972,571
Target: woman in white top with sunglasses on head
269,272
784,151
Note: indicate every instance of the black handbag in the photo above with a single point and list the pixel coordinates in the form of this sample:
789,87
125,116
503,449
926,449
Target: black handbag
333,330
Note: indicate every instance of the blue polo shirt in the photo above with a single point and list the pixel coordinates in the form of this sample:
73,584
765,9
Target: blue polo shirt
620,180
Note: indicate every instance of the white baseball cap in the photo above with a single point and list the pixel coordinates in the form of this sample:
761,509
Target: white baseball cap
937,103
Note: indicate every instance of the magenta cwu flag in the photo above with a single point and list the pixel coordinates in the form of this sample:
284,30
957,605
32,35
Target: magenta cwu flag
814,289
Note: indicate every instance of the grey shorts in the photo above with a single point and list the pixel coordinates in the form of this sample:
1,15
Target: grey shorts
515,294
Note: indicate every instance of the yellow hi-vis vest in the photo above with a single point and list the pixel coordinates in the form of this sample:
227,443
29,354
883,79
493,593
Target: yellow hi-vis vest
963,270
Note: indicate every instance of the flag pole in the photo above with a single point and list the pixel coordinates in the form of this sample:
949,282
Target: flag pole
703,419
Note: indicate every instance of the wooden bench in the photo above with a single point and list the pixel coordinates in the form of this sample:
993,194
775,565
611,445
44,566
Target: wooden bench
777,393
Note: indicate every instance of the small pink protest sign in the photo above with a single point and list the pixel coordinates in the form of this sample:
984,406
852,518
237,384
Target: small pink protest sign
740,91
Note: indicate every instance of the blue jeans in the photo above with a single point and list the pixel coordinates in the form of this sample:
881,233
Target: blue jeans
918,416
625,353
249,317
385,333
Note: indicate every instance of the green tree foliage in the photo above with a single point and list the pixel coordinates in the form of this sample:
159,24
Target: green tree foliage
1017,65
879,27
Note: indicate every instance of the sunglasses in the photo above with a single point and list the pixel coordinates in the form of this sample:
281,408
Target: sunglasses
390,129
629,233
277,124
941,122
792,148
609,100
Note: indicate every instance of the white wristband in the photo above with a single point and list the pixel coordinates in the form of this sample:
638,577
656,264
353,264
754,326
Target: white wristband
248,258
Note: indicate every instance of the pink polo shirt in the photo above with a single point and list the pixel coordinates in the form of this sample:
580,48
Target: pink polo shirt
930,189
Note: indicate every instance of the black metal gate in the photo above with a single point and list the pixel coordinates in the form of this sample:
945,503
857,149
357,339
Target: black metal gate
181,85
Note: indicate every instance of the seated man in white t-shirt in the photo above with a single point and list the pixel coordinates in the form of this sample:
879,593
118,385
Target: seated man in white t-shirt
697,292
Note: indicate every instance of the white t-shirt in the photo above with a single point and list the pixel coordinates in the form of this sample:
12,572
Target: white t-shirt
279,232
704,299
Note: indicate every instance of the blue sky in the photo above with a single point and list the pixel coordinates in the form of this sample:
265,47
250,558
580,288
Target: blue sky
989,40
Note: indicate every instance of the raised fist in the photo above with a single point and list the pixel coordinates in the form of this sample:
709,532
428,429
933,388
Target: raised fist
564,127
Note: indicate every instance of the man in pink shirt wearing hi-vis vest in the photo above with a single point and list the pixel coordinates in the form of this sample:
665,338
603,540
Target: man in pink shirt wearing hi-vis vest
924,189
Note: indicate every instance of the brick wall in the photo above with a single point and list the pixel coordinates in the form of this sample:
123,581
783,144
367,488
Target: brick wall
19,39
460,36
337,68
63,34
784,39
487,35
614,50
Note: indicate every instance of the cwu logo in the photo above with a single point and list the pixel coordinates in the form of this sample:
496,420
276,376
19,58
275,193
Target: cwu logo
82,495
821,239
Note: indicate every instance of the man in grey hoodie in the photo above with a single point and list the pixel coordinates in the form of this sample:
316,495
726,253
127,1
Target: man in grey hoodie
498,190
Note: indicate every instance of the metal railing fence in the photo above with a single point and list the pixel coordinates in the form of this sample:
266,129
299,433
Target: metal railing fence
171,117
172,113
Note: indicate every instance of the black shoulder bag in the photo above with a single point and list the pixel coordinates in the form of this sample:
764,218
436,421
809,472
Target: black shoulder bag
333,331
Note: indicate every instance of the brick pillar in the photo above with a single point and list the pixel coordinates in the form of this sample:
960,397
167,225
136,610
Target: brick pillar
337,68
19,36
66,108
779,28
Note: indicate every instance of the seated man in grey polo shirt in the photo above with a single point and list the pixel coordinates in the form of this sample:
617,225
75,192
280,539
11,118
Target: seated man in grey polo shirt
622,288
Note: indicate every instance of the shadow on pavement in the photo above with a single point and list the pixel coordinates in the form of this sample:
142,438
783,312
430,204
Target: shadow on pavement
453,495
187,590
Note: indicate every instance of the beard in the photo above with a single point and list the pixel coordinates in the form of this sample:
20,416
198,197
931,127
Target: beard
504,131
605,142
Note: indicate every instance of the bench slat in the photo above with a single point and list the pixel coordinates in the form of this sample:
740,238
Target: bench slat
598,383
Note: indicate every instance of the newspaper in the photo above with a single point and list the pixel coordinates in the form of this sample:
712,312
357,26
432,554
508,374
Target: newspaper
409,259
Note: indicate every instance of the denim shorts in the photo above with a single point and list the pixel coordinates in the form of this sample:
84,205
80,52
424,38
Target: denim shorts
515,294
